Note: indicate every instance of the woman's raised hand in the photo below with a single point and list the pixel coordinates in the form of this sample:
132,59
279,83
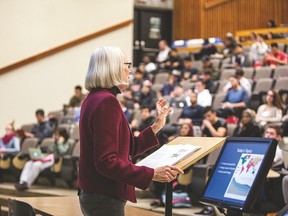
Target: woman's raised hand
163,110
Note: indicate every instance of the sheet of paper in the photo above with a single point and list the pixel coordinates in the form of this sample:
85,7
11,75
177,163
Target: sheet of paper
168,155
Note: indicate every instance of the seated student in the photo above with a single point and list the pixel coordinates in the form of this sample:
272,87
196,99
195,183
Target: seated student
148,64
42,129
193,113
186,129
189,72
178,97
129,98
275,132
235,100
271,110
213,126
141,68
163,54
78,96
147,96
33,168
147,119
253,37
258,50
271,35
244,82
208,66
239,59
207,48
229,46
9,143
247,126
276,57
137,82
174,62
207,78
204,98
190,115
168,87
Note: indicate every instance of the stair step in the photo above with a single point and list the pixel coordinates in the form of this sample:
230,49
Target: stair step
4,211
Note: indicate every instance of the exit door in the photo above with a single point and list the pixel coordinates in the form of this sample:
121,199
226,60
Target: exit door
150,26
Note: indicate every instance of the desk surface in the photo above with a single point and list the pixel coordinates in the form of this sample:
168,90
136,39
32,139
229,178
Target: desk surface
273,174
208,145
63,206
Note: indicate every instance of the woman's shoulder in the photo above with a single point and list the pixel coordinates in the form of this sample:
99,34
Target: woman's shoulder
102,95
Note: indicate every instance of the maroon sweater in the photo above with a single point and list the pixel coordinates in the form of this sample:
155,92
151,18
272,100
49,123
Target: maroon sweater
107,146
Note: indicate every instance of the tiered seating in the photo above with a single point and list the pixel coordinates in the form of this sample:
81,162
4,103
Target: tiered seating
248,72
281,71
262,85
263,79
226,73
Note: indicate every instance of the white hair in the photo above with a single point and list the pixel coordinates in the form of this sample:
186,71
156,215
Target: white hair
105,68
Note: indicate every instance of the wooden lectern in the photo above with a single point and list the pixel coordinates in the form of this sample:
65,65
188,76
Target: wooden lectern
207,144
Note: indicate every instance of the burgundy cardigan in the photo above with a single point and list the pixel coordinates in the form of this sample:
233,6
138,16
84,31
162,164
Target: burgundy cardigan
107,147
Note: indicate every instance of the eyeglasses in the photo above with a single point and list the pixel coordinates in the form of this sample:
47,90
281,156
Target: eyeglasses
129,64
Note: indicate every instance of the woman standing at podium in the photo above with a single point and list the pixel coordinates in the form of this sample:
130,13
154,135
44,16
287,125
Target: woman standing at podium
107,176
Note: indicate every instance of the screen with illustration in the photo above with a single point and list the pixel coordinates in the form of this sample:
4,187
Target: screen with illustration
241,165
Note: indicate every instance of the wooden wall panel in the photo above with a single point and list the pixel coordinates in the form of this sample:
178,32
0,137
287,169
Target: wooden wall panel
199,18
186,22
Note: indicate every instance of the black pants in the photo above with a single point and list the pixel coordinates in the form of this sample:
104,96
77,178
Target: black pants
94,204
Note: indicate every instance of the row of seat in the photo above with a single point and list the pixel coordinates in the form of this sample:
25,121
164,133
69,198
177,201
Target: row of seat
262,72
261,84
66,122
249,73
65,167
258,86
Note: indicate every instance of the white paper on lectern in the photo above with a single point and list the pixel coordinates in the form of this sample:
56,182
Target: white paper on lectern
168,155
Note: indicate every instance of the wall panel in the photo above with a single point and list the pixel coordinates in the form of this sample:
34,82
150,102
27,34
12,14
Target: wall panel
227,16
49,82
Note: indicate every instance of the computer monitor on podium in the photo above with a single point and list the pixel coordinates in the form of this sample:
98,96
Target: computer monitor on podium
240,169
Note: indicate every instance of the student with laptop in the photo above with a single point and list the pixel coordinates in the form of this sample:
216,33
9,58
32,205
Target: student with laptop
38,161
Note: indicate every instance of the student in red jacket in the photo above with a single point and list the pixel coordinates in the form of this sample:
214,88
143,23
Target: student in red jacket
107,176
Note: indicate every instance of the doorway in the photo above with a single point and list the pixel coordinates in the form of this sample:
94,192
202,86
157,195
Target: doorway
150,26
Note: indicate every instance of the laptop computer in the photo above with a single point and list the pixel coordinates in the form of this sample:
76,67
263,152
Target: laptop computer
35,154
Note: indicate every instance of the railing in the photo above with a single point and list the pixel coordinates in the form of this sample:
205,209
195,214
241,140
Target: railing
63,47
243,36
